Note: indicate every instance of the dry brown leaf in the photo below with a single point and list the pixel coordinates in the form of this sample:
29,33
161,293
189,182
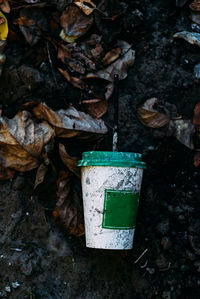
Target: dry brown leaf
195,5
76,82
23,142
121,65
74,23
6,173
5,6
38,24
40,175
69,211
197,158
23,21
150,117
183,130
95,107
70,122
111,56
70,162
82,4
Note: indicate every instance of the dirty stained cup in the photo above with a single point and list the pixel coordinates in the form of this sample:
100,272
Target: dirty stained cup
111,183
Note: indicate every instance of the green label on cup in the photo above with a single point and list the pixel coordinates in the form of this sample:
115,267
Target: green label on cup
120,209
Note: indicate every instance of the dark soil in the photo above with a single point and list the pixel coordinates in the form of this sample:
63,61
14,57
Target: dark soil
41,258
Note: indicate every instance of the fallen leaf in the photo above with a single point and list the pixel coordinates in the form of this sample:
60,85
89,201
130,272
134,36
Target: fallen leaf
74,23
191,37
3,28
120,66
37,24
150,117
6,173
71,122
70,162
4,6
82,4
69,210
24,22
195,11
76,82
180,3
111,56
95,107
23,142
40,175
183,130
197,158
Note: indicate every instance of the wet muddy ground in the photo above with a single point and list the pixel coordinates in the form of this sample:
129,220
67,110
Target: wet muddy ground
38,260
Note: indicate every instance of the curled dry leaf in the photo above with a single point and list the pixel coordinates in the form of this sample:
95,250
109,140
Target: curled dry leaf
191,37
23,142
197,158
70,162
150,117
4,6
120,66
111,56
74,23
196,117
83,5
95,107
3,27
40,175
76,82
183,130
70,122
69,211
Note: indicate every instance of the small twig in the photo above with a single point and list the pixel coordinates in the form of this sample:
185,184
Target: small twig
145,264
116,113
51,64
141,256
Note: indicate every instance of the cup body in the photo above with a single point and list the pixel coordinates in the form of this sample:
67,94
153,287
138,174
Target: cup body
110,199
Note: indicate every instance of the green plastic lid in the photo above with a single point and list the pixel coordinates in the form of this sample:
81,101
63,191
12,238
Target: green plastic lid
118,159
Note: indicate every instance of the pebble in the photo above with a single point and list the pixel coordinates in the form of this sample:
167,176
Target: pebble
163,227
166,243
8,289
15,284
161,262
166,295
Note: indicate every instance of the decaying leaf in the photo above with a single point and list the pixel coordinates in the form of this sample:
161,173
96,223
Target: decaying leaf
95,107
6,173
150,117
76,82
195,11
197,158
120,66
69,211
183,130
23,142
3,27
70,122
70,162
74,23
180,3
4,6
196,116
40,175
83,5
111,56
35,26
191,37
